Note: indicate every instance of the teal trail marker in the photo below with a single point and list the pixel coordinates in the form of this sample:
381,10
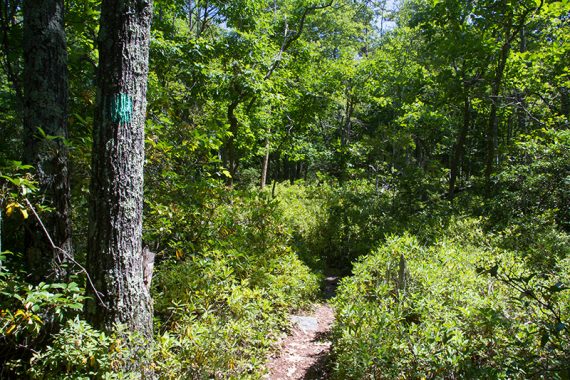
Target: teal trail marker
122,108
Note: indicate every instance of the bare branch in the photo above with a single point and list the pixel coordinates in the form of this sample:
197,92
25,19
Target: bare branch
66,254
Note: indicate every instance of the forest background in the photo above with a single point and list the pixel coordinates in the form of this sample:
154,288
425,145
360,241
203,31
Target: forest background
421,145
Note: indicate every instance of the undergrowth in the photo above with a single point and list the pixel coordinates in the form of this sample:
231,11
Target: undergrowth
457,308
219,305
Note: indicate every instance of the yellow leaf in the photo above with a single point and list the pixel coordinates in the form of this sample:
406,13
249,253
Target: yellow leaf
10,208
24,213
116,346
10,329
179,254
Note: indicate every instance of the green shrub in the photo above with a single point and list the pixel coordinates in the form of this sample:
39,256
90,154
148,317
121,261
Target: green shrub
79,351
539,242
455,309
221,309
334,225
304,209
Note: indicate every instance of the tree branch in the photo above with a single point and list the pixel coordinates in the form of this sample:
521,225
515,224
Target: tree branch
66,254
288,41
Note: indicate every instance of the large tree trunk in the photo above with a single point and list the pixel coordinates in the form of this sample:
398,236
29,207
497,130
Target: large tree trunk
45,131
114,259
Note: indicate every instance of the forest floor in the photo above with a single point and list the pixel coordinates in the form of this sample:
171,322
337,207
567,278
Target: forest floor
305,351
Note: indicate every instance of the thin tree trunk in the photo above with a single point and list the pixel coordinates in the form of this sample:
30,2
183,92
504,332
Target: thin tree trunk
493,124
8,20
45,131
459,145
519,94
265,162
1,236
348,110
232,157
565,103
115,252
190,5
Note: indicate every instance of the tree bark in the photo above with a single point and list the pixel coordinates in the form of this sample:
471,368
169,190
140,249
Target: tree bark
115,252
519,93
45,131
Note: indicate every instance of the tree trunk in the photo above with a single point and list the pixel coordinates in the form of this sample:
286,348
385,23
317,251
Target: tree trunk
265,166
458,150
190,5
1,236
115,254
565,103
9,15
519,93
231,154
493,124
45,131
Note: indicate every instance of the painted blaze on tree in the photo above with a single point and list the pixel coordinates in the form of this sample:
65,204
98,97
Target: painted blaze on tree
122,109
115,215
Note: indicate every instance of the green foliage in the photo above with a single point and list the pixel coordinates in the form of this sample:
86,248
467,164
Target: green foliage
372,120
414,311
335,225
530,210
25,307
16,184
304,209
29,313
356,219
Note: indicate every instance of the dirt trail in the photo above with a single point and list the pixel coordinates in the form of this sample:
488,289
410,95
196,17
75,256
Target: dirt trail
304,353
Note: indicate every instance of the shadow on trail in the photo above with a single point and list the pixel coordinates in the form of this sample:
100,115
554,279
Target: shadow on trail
321,368
330,283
